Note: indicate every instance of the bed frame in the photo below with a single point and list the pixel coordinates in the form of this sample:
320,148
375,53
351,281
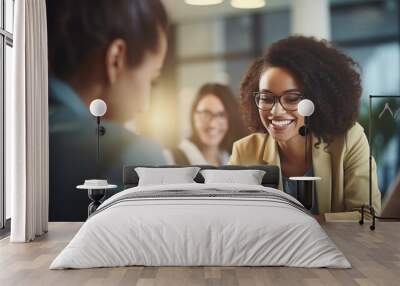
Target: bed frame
271,178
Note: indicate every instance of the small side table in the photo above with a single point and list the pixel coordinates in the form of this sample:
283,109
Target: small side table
305,189
96,194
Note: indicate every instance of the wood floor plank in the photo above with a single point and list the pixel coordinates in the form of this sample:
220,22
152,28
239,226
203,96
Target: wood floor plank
375,258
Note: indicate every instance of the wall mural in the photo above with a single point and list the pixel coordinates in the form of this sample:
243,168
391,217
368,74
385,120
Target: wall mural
109,53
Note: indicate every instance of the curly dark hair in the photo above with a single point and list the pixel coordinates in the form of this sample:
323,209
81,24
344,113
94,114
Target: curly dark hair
329,78
236,129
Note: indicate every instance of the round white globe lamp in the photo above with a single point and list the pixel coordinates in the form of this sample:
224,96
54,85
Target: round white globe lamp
305,107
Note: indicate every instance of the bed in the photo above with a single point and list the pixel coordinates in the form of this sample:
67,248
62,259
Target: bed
201,224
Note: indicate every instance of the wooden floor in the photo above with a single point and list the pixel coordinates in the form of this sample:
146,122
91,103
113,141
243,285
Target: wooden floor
375,257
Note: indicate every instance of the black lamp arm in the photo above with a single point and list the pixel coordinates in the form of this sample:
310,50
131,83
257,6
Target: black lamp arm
101,130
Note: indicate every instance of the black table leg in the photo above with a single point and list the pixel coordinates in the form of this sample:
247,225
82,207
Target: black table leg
305,191
96,196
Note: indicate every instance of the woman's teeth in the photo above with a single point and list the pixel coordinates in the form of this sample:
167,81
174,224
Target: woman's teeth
281,122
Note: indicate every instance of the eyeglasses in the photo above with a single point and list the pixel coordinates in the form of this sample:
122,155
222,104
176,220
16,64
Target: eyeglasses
208,116
266,100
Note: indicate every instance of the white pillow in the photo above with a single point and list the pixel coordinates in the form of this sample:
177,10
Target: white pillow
248,177
162,176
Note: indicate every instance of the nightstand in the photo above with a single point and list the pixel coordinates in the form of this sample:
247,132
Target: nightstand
96,192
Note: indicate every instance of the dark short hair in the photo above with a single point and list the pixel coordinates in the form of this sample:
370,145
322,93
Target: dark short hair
78,28
236,128
329,78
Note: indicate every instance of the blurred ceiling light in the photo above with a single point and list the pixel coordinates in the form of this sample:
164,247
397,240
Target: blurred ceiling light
247,4
203,2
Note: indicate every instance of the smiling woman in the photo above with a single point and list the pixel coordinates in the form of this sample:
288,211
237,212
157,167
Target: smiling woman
293,69
278,118
215,126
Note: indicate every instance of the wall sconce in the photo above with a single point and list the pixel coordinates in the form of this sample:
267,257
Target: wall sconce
98,108
305,109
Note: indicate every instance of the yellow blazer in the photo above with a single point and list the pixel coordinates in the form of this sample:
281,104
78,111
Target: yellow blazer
343,168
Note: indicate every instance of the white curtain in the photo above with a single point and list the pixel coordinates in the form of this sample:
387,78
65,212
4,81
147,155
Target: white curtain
27,124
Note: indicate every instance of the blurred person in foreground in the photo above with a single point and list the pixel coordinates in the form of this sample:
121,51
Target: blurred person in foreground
111,50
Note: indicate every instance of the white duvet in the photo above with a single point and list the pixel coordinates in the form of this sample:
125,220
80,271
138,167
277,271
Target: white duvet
200,231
